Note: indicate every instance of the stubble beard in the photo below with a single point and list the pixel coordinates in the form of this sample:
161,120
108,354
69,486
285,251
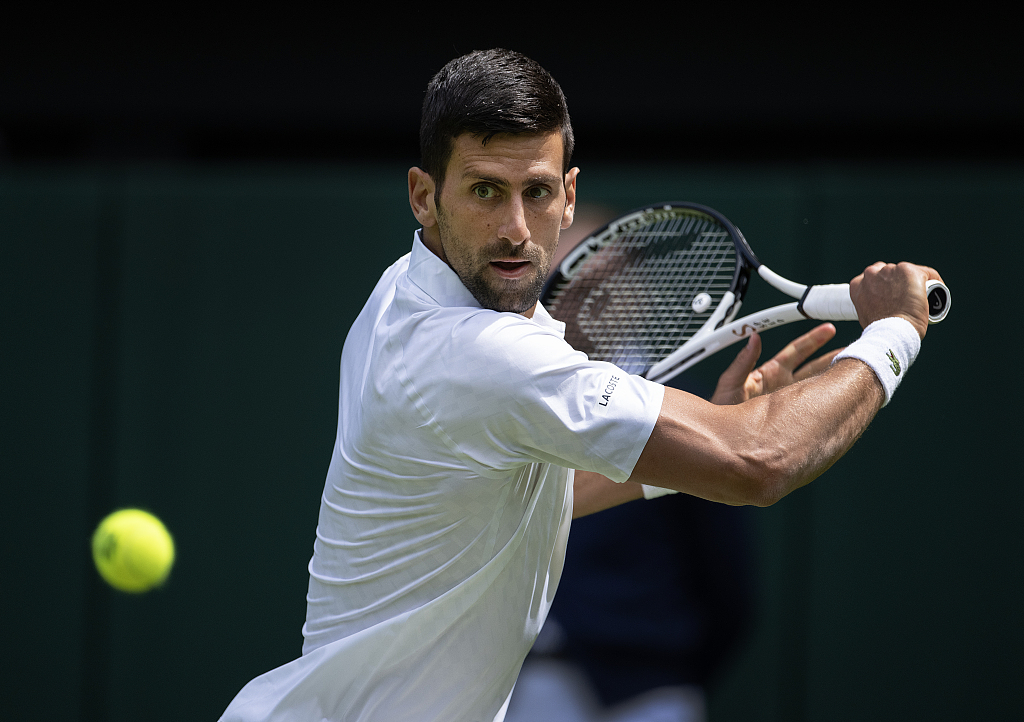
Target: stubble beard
473,269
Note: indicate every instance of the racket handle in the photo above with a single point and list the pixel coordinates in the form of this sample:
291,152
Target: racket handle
828,302
831,302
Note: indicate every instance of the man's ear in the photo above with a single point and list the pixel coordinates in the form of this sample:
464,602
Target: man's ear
570,198
421,197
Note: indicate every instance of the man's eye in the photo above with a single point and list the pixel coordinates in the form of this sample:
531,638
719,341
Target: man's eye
485,192
538,192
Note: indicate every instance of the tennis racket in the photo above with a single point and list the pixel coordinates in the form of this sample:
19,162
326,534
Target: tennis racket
658,290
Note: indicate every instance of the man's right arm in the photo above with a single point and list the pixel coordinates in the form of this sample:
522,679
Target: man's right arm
759,451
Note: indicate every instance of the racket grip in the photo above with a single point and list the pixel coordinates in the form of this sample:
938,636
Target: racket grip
828,302
832,302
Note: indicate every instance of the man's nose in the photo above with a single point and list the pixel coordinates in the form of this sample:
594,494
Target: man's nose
513,226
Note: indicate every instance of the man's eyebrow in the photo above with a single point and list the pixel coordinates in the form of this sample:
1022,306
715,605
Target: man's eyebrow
543,179
469,174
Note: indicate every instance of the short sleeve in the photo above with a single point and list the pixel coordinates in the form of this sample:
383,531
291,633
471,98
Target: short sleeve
502,391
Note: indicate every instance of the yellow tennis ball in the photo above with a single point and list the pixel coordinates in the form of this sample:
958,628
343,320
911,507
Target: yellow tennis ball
133,550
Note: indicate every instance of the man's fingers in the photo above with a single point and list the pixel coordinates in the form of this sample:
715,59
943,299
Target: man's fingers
800,349
745,360
815,366
893,289
932,274
732,384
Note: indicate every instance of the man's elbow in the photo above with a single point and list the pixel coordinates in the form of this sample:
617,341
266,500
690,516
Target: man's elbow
764,481
765,492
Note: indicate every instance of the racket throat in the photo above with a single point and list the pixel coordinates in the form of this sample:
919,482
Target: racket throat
664,372
674,364
726,311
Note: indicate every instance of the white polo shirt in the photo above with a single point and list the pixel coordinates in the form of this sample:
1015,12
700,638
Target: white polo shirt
447,504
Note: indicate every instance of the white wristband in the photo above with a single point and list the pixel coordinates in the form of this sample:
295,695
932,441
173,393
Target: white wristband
889,346
653,492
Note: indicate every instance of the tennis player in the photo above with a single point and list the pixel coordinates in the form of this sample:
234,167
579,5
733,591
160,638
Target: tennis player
463,414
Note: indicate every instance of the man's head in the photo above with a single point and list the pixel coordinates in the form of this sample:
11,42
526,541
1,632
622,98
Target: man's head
485,93
495,188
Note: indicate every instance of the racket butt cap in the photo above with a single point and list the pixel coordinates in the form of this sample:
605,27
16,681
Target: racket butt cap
939,301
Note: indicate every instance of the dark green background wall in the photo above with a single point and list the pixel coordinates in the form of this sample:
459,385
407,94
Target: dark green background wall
170,340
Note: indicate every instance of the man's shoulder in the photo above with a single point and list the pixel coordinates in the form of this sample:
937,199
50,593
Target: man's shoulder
391,275
474,332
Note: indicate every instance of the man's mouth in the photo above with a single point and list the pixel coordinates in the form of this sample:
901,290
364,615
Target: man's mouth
511,269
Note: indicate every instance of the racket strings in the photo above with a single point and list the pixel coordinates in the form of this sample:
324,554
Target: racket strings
631,302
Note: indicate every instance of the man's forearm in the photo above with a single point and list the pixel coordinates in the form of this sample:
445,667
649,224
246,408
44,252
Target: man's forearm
761,450
592,492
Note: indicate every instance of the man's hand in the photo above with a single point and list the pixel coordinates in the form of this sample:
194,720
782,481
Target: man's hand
741,381
885,290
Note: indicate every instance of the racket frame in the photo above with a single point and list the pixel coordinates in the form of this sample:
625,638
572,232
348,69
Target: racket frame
828,302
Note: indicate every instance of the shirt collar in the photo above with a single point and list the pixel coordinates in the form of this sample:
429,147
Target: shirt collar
437,279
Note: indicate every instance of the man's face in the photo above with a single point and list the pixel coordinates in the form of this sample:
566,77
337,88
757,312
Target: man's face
501,209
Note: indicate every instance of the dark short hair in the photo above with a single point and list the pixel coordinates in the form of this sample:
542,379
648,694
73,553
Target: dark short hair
485,93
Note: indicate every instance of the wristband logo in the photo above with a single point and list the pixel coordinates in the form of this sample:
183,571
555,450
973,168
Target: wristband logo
894,362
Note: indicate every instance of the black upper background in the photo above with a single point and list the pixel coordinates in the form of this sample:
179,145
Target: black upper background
322,83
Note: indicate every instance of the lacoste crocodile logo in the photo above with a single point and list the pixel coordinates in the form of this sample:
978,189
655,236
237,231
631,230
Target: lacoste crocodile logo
894,362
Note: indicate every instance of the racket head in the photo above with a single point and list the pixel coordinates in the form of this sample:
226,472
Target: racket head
637,289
